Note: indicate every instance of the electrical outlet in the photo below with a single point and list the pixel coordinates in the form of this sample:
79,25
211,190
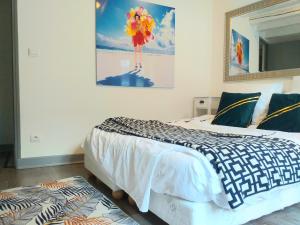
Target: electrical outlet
33,52
34,139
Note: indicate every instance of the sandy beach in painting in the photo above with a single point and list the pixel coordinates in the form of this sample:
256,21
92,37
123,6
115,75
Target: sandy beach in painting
157,70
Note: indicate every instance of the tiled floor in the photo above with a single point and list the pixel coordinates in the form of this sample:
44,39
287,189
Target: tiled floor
13,178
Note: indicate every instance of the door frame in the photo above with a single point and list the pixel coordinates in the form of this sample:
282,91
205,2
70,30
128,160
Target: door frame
17,136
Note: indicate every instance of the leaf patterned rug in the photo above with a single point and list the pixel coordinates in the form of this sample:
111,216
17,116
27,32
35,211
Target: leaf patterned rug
71,201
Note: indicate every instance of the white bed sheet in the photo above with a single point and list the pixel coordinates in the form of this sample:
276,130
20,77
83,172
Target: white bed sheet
139,165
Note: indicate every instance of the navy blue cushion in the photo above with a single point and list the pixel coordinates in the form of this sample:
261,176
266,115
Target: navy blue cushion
236,109
283,114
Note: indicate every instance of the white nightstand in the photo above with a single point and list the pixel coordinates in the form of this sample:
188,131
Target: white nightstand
205,106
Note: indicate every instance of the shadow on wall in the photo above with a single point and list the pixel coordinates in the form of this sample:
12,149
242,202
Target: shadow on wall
129,79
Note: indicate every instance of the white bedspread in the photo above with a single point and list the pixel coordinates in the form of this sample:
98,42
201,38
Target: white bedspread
138,165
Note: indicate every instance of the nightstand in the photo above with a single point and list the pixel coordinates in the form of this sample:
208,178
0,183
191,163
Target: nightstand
205,106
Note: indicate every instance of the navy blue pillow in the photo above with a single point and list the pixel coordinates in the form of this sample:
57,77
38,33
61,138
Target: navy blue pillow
236,109
283,114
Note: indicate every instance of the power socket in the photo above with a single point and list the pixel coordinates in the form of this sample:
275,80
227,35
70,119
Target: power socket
34,139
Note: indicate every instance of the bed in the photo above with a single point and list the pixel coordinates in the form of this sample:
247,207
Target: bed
177,184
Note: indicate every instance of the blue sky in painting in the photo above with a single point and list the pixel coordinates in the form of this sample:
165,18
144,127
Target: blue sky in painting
111,20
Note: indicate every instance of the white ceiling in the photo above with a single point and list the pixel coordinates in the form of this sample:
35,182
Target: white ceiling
280,23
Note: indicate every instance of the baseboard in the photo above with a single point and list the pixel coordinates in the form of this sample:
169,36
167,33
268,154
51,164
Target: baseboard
45,161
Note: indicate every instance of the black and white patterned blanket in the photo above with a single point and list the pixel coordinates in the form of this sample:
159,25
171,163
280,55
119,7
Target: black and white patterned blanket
246,164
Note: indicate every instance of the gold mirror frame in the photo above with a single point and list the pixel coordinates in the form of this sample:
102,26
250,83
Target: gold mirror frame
251,76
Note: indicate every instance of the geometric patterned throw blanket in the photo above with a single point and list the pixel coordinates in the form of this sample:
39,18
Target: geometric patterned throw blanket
246,164
71,201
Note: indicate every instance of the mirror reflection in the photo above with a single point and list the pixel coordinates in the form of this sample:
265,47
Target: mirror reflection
266,40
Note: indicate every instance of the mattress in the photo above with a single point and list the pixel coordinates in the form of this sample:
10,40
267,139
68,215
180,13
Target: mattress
178,171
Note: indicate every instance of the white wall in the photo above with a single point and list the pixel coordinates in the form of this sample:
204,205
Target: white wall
59,100
6,75
217,83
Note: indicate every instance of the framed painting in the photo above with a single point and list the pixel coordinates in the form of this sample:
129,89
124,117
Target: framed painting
239,54
135,44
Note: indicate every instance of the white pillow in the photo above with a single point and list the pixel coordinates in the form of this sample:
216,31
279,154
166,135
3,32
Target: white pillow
296,84
262,106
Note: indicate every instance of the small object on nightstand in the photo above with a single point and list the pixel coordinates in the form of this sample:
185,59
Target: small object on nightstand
205,106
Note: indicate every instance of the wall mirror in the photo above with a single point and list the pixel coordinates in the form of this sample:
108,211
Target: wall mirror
263,40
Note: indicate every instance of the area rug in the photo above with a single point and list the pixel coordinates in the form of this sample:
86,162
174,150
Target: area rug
71,201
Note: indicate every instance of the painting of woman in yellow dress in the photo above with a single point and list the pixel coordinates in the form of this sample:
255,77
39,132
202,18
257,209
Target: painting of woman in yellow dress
139,27
135,44
239,54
